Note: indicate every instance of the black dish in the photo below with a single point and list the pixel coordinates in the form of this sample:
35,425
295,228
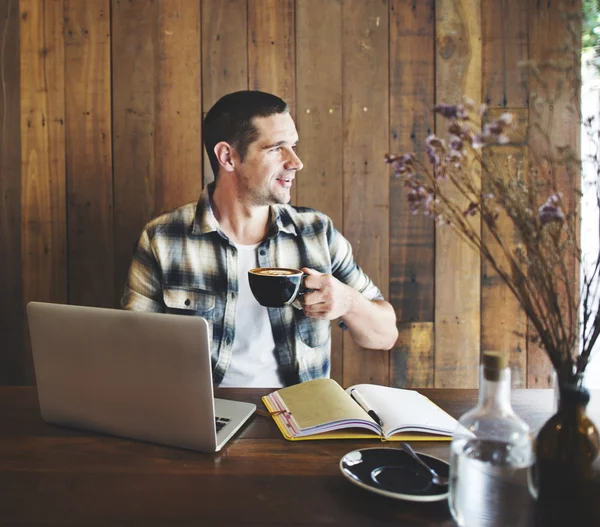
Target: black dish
392,472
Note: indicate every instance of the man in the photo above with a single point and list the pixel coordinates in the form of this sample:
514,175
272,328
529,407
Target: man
195,260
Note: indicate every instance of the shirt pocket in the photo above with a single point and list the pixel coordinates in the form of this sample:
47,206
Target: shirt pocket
183,301
313,332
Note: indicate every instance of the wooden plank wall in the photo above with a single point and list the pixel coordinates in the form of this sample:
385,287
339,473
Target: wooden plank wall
319,102
44,262
101,110
553,83
458,302
365,185
412,238
505,87
12,367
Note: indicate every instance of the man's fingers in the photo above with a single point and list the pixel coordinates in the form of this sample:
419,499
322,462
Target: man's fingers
312,272
312,298
319,308
312,282
316,311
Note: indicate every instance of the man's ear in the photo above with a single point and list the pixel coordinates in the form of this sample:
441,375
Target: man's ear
225,155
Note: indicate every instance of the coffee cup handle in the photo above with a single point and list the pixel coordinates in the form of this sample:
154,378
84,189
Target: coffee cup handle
303,289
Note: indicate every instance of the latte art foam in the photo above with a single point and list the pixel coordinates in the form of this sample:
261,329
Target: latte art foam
274,272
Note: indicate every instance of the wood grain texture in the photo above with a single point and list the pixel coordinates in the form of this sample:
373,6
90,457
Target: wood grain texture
224,55
43,203
271,48
555,84
89,153
412,237
412,361
272,51
133,75
503,321
319,96
171,60
11,300
59,476
366,179
504,83
457,274
504,38
178,114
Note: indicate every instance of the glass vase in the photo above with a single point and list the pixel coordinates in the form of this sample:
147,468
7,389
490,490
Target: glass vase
566,447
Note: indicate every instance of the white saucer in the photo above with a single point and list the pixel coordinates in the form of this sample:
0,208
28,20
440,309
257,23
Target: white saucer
393,473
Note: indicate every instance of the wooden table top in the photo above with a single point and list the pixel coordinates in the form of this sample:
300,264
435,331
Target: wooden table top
58,476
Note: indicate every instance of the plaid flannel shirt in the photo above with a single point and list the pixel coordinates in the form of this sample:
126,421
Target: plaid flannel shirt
185,264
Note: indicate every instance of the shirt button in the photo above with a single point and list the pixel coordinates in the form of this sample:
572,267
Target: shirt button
263,252
187,302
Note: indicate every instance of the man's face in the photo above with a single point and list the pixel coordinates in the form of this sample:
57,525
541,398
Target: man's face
270,164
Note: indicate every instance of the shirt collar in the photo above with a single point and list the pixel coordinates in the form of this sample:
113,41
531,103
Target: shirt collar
205,221
281,220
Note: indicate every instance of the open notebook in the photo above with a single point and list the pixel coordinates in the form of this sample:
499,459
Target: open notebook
322,409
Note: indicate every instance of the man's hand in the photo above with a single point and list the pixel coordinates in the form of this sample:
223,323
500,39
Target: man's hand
372,323
330,298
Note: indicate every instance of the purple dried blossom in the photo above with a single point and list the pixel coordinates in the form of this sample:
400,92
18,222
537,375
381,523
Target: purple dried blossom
492,128
434,141
478,141
435,148
402,165
455,158
550,211
418,196
456,143
452,111
497,126
455,128
463,132
491,134
468,103
506,118
434,159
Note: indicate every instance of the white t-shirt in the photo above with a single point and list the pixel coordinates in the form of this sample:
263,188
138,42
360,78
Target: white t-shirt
253,362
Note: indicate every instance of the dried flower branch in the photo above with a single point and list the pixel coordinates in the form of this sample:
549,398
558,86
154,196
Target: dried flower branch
540,261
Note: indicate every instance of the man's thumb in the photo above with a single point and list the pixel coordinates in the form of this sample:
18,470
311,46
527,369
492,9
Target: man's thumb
310,271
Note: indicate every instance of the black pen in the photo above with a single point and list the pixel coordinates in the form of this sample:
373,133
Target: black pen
363,404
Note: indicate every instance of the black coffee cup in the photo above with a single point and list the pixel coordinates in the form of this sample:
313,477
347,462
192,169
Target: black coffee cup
276,286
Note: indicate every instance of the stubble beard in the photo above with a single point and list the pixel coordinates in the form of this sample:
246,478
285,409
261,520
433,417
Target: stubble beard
274,194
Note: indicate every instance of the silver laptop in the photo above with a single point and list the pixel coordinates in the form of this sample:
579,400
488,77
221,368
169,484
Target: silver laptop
138,375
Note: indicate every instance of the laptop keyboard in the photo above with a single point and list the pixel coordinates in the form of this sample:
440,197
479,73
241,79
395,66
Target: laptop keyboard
220,422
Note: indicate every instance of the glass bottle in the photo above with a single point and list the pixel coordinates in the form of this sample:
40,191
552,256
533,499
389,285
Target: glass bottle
491,456
566,448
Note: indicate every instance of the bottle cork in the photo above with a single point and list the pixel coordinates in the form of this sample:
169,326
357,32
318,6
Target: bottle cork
493,364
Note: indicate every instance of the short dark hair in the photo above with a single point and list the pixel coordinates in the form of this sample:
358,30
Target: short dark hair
230,120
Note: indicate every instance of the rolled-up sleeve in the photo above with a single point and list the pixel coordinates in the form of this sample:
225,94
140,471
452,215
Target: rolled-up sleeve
345,268
143,290
347,271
